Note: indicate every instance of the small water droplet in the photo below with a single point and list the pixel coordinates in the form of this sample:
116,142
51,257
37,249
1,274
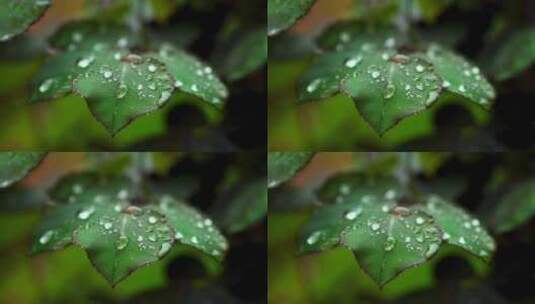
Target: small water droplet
194,88
375,226
345,37
385,208
353,214
432,249
123,42
446,236
178,235
77,189
46,85
153,220
475,222
178,84
122,242
107,74
375,74
86,213
152,68
462,240
420,68
389,91
353,61
123,194
390,243
462,88
121,92
45,238
108,226
194,240
313,238
164,249
164,97
313,85
390,42
390,194
446,84
419,220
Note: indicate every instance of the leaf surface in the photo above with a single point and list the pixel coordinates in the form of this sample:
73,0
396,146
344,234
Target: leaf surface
515,208
284,13
14,166
283,165
17,16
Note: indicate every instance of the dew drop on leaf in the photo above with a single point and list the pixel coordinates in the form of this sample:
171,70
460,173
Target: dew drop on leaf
45,238
353,214
313,238
153,220
353,61
86,213
46,85
178,235
122,242
390,243
164,248
123,89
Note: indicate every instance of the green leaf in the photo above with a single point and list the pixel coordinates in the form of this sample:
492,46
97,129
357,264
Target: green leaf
514,55
243,207
120,87
117,243
460,76
284,13
515,208
14,166
96,213
193,228
388,87
385,238
283,165
89,34
460,228
342,188
351,34
244,53
192,76
17,16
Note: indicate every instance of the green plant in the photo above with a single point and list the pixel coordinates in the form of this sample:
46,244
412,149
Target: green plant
391,64
124,66
389,218
123,217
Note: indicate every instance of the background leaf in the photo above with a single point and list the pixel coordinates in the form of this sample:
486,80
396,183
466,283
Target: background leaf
14,166
515,208
17,16
283,165
283,13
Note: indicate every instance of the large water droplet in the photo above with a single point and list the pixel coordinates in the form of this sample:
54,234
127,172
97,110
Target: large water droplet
152,68
194,240
420,220
389,91
46,85
178,235
353,61
164,249
353,214
375,226
121,92
85,62
420,68
153,219
313,85
313,238
390,243
432,249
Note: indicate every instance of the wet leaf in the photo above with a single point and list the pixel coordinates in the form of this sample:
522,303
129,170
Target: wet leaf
120,87
192,76
342,188
461,77
515,208
283,165
243,207
514,55
385,238
345,35
88,34
388,87
193,228
17,16
460,228
14,166
243,54
284,13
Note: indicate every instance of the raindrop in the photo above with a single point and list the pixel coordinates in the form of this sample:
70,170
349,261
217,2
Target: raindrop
77,37
152,86
164,97
194,88
431,250
121,92
122,242
446,84
108,226
313,238
85,62
345,189
194,240
46,85
152,68
375,74
353,214
352,62
390,243
420,68
385,208
462,88
107,74
475,222
153,220
446,236
178,235
462,240
385,56
164,249
345,37
390,90
123,194
77,189
312,86
375,226
390,194
85,214
390,42
140,238
419,220
123,42
178,84
45,238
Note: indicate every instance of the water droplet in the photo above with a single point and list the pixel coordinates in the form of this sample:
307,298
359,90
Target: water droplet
153,220
407,239
178,84
475,70
121,92
420,220
194,240
353,214
375,74
446,236
419,239
208,70
483,253
462,240
467,225
122,242
123,42
194,88
77,189
313,85
164,249
462,88
208,222
390,42
446,84
108,226
46,85
353,61
432,249
420,68
178,235
164,97
152,86
420,87
86,213
45,238
390,243
117,56
390,90
475,222
140,238
107,74
431,98
390,194
152,68
345,189
385,56
375,226
345,37
385,208
313,238
123,194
